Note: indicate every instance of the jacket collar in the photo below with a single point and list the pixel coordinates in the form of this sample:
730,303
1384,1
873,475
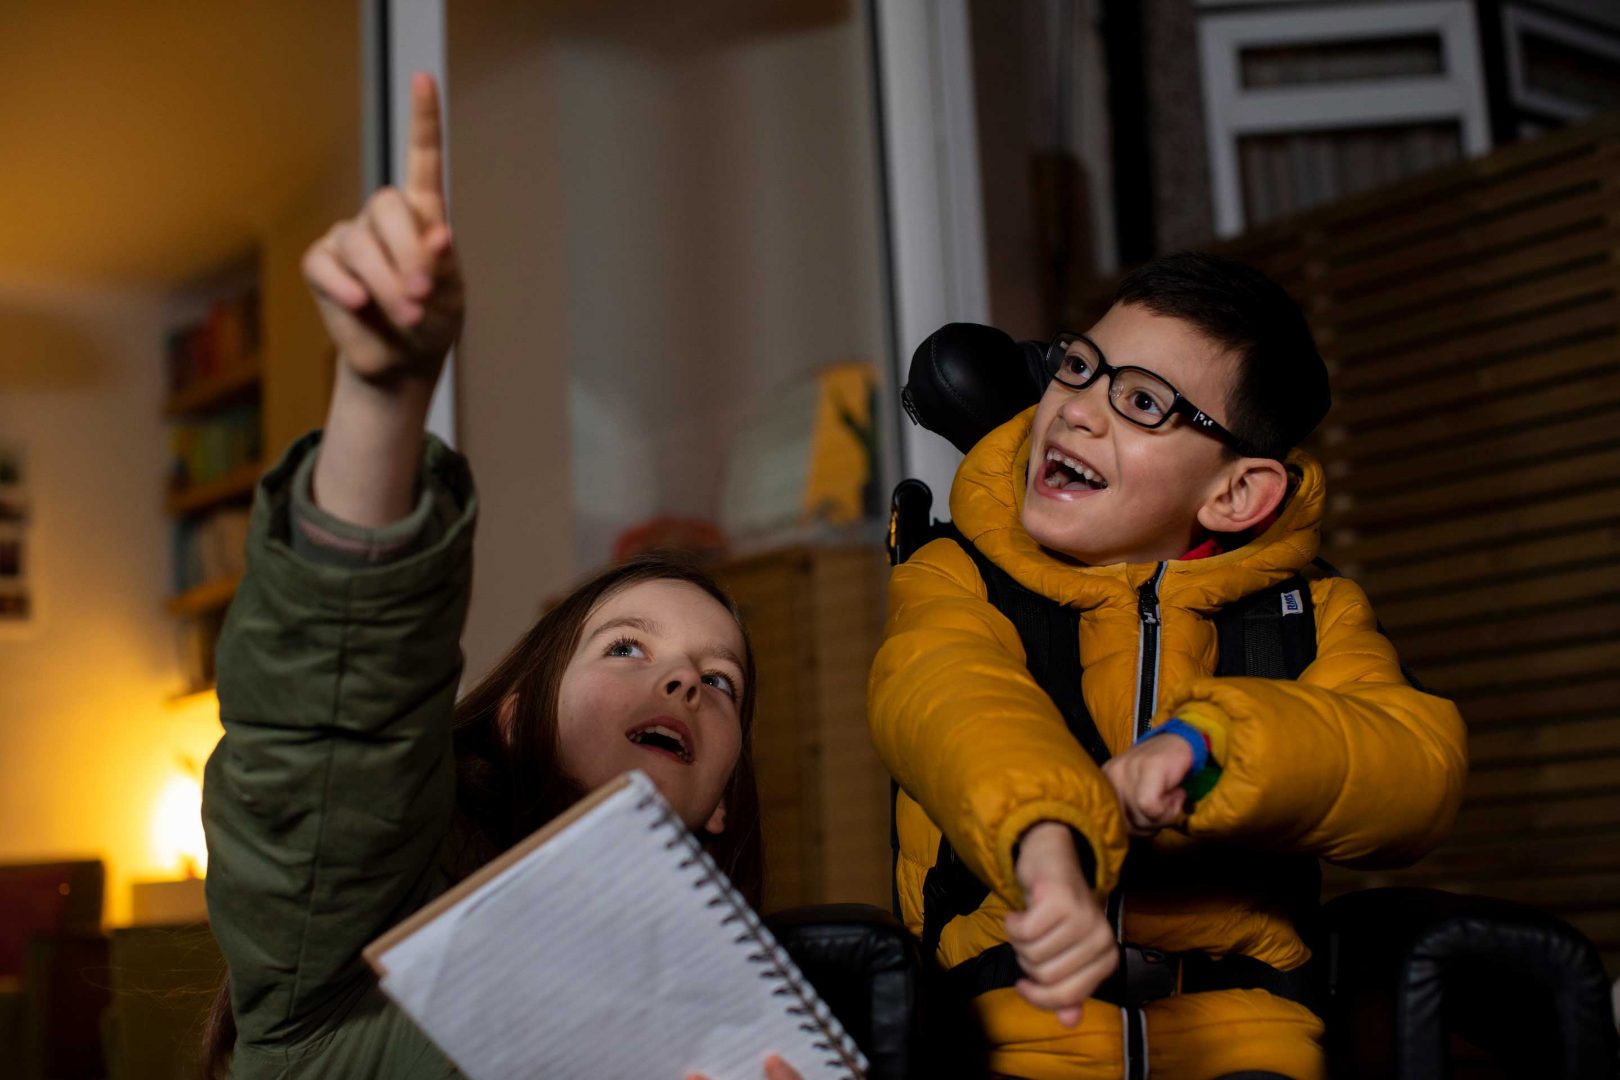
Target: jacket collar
987,499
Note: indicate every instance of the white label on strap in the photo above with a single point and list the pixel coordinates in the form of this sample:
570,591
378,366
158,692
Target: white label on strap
1293,603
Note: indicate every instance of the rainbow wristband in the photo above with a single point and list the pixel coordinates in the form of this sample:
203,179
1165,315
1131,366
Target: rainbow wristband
1200,783
1205,771
1195,739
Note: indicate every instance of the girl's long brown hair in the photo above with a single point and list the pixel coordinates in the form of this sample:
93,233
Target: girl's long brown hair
511,782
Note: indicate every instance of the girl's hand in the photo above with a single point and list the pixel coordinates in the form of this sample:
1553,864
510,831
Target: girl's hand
775,1069
1147,778
390,294
1062,938
386,281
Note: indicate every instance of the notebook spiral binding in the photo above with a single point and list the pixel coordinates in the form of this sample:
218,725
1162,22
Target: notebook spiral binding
773,961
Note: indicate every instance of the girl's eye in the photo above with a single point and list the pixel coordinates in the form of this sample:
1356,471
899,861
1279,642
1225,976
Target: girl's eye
626,647
721,682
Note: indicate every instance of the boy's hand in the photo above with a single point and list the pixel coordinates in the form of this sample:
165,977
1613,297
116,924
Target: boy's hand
386,281
1147,778
1062,938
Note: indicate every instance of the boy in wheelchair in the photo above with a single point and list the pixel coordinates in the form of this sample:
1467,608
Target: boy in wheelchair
1128,711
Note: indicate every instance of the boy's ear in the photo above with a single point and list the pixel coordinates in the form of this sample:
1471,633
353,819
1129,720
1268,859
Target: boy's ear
717,820
1250,490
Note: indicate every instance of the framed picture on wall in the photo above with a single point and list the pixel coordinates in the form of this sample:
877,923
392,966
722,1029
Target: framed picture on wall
16,595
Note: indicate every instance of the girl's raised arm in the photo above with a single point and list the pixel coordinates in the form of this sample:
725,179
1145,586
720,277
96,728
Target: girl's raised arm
328,800
390,293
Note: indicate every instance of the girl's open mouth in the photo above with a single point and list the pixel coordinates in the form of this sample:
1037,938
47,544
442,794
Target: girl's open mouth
666,737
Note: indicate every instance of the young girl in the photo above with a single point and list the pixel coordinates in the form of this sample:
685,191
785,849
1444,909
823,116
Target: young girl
350,788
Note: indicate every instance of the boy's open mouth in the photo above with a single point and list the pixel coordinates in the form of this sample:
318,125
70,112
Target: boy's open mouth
668,736
1060,472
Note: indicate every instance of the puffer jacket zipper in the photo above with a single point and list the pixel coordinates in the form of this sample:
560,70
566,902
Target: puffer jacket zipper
1147,657
1133,1021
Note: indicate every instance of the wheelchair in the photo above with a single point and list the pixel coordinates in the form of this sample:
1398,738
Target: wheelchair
1418,984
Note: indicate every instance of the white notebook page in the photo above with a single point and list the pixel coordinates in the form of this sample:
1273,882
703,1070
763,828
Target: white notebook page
593,954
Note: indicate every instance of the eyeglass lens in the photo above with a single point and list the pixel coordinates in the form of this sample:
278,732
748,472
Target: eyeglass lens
1139,396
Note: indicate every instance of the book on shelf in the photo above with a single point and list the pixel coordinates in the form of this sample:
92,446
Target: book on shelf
211,548
194,640
220,342
206,450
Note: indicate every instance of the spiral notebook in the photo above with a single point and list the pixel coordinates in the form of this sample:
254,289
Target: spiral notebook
608,945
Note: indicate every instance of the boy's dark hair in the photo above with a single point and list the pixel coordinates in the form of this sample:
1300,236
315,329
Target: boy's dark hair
1281,392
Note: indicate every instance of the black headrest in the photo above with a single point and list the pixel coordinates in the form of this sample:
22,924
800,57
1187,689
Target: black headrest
966,380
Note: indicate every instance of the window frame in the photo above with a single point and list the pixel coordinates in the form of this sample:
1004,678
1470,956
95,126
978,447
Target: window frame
1233,111
1516,20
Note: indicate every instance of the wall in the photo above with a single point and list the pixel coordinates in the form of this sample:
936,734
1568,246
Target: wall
88,738
619,149
89,735
511,366
654,236
297,351
721,225
1022,54
1183,208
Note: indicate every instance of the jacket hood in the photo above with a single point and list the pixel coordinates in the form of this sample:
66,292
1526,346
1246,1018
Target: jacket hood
987,500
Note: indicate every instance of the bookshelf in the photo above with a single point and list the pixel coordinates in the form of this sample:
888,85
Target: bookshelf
228,488
214,408
204,599
239,384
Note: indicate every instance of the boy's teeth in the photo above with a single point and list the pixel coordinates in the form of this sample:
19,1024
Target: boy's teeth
1056,455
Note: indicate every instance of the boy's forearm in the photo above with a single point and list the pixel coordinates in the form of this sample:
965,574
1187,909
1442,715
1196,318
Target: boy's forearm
1350,762
968,734
1063,838
1365,773
988,767
366,472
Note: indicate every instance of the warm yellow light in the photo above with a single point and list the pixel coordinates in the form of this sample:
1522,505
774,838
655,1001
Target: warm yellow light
177,832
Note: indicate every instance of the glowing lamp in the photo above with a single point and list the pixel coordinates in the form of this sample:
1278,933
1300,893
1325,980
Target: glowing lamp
177,832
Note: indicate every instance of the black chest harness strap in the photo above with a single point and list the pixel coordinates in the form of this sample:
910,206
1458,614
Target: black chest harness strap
1269,634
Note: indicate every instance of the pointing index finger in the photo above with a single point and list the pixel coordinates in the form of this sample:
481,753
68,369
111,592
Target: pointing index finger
424,153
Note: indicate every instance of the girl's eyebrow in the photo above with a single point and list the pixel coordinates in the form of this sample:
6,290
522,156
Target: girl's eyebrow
635,622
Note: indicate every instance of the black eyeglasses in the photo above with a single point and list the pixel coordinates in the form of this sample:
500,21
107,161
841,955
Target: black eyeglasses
1137,394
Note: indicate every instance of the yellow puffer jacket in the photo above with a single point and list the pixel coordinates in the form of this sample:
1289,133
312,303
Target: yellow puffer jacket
1349,763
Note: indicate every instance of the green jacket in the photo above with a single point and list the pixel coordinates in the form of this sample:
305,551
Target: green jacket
328,800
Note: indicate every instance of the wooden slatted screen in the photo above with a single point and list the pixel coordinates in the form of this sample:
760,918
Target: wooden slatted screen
1472,322
815,616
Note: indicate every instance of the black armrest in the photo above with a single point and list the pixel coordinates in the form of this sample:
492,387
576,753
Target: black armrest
1409,967
865,964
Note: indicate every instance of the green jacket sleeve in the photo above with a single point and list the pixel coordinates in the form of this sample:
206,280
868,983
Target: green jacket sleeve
328,799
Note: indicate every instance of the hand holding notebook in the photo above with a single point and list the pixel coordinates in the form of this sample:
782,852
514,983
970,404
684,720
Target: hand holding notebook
608,945
775,1069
